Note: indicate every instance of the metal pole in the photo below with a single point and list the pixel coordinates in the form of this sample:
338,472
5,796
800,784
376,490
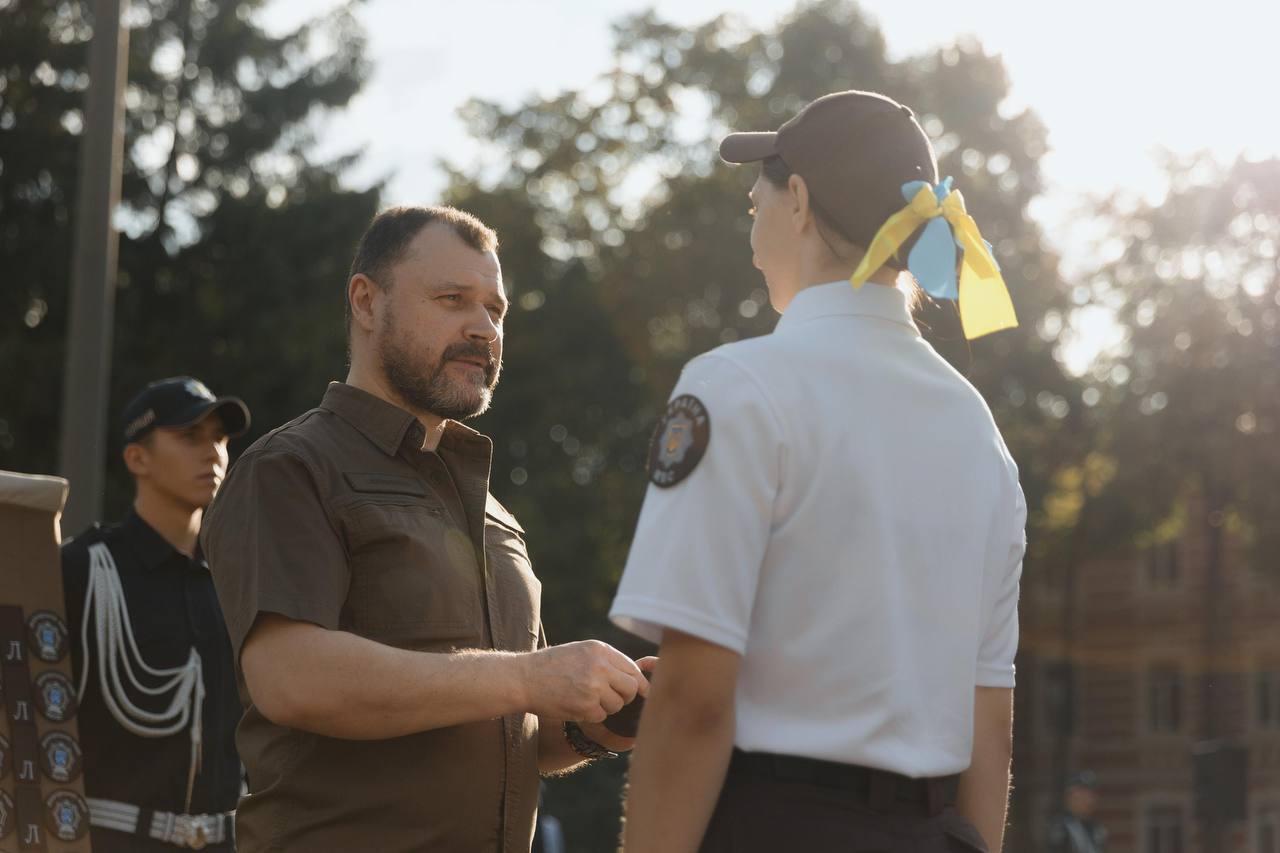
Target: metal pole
86,377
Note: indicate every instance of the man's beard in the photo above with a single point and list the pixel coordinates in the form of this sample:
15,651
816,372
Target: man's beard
427,388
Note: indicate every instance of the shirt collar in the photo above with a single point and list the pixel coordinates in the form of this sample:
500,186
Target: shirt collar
388,426
150,548
838,298
383,423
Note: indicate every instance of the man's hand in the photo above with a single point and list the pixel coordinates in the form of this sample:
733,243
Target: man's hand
585,681
601,734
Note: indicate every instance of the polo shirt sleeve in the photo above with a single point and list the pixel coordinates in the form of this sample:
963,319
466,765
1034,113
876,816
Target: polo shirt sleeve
271,546
695,560
1000,636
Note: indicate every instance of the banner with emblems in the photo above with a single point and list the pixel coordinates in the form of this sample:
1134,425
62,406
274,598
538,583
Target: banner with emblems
42,804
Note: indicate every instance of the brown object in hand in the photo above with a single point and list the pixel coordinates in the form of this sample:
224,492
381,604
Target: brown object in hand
626,722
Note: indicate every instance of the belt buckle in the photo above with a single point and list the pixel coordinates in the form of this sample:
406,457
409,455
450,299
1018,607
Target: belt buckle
191,831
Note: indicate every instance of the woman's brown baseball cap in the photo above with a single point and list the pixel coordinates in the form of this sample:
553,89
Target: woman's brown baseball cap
854,150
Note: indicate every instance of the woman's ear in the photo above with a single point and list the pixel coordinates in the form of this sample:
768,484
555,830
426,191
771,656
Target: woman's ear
801,211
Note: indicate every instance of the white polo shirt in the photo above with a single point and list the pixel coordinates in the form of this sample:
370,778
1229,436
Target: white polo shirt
854,529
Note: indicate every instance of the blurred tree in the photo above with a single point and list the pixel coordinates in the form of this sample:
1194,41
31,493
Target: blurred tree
626,251
235,243
1194,393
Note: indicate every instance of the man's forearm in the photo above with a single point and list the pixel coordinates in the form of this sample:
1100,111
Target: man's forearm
341,685
984,788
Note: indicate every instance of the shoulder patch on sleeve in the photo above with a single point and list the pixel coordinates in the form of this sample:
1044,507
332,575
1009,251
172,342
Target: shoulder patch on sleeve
679,440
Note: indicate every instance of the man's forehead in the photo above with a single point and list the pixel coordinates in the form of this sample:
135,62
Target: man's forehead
438,253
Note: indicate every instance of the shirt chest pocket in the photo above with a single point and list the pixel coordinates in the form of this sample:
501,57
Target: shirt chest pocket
518,590
414,578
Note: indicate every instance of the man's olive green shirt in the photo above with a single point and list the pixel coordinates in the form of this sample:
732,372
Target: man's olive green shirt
339,518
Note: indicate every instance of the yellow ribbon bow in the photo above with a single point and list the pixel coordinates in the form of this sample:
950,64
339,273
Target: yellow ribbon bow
985,305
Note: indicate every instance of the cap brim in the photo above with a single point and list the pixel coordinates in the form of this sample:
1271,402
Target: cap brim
232,410
748,147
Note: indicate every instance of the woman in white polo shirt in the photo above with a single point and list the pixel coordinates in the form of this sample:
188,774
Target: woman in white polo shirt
830,549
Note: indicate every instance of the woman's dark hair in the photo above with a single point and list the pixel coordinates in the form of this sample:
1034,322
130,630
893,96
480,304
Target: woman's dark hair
776,171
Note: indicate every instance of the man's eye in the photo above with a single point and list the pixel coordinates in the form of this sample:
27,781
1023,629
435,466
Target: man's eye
451,297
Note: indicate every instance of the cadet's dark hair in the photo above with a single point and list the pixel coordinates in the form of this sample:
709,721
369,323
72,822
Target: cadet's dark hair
776,171
385,240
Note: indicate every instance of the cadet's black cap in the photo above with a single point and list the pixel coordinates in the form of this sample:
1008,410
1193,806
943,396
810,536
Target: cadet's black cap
854,150
1083,779
177,402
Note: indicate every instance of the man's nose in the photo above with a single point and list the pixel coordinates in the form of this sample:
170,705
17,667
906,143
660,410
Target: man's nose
483,328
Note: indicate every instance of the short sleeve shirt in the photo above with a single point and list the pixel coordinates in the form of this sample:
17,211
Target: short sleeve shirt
853,528
340,519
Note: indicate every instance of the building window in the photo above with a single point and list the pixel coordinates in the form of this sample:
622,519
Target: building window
1164,699
1059,697
1267,699
1053,579
1266,834
1163,570
1163,831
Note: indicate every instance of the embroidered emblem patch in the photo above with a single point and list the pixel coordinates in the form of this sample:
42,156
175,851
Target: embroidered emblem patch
67,815
60,757
679,441
55,697
47,635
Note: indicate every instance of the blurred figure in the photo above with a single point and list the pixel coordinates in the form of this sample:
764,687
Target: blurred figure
1075,831
157,691
548,835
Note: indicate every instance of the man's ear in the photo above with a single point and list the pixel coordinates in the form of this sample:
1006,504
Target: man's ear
362,291
135,458
801,211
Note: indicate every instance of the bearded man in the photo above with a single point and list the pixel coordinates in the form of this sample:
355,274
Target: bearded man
399,693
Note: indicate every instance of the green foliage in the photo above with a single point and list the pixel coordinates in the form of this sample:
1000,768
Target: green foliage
236,243
1194,396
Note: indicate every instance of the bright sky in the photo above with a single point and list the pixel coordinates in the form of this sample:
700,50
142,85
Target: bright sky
1115,81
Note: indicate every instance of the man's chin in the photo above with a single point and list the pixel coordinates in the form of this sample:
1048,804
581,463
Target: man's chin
473,409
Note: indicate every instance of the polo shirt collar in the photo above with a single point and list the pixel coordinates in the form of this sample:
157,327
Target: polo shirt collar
838,298
381,422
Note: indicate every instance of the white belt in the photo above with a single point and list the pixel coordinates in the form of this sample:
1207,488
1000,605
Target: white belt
182,830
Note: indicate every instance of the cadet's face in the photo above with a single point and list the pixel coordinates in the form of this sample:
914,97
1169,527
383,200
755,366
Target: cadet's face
185,464
771,239
1081,801
439,339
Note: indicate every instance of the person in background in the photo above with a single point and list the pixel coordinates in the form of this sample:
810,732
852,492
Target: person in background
157,693
1075,830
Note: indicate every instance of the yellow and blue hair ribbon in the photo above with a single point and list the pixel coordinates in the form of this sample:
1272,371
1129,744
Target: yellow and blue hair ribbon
985,305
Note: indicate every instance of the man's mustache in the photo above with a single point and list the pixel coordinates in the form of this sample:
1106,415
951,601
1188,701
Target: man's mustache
480,351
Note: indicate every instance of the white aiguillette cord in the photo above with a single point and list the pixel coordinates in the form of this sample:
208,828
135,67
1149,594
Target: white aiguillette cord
116,645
